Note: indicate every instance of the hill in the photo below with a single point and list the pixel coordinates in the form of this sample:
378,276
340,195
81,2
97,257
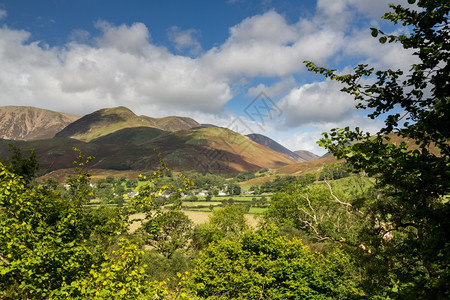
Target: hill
306,155
268,142
108,120
31,123
212,149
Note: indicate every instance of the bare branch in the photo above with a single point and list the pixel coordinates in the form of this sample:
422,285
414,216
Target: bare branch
4,260
336,198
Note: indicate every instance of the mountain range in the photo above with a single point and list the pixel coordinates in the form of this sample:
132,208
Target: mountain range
121,140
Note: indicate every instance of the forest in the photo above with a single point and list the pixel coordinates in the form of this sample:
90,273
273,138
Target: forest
375,227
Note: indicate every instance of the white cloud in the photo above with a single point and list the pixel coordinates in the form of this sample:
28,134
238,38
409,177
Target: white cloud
340,11
318,101
123,69
281,87
265,45
132,39
185,40
368,49
306,138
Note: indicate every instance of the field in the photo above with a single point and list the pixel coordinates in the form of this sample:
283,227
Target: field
197,217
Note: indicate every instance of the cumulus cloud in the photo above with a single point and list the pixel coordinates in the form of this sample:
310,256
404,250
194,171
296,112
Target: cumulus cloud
279,88
363,46
185,40
316,102
266,45
133,39
305,138
342,12
123,68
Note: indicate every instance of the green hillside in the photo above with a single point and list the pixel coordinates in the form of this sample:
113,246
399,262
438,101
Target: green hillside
109,120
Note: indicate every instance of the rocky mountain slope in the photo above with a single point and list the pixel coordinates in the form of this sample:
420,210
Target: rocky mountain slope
31,123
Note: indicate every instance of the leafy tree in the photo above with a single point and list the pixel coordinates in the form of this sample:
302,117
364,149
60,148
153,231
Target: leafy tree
407,249
325,212
234,189
265,265
110,179
49,242
226,222
54,247
18,164
168,231
132,183
334,171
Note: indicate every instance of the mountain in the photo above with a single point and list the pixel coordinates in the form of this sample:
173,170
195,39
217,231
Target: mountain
31,123
212,149
108,120
121,140
269,143
306,155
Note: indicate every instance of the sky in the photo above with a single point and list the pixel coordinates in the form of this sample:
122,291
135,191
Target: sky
236,63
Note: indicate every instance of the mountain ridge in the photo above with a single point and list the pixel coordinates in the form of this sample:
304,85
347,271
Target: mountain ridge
32,123
298,156
121,140
108,120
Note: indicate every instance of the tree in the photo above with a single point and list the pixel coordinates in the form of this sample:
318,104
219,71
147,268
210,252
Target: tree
55,247
18,164
234,189
323,212
266,265
49,242
406,246
168,231
166,228
226,222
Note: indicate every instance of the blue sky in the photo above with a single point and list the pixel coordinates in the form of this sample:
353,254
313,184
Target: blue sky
215,61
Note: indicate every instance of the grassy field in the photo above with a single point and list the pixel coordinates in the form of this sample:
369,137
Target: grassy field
239,198
197,217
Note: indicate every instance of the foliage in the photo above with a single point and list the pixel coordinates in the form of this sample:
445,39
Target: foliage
168,231
161,268
165,229
226,222
245,175
17,163
281,182
233,188
205,180
334,171
326,211
406,235
54,247
263,264
48,242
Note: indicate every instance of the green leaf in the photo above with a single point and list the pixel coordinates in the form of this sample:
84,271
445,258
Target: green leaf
374,32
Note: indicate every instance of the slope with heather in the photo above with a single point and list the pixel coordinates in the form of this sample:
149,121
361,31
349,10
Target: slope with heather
108,120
